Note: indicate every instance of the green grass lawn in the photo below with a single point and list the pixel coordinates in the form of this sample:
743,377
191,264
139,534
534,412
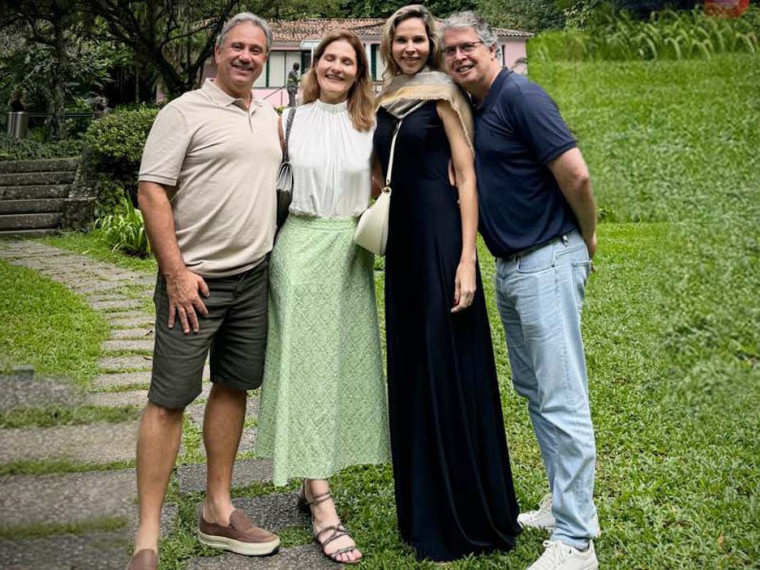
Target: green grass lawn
667,140
671,329
47,326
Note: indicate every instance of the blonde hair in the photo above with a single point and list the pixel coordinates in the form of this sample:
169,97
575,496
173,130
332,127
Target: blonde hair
435,58
361,105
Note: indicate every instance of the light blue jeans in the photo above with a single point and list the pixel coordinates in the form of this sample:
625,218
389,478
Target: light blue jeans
540,297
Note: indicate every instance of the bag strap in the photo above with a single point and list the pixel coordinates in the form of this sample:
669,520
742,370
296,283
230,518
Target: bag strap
393,143
288,125
390,159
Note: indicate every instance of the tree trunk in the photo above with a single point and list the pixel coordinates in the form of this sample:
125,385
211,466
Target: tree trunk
57,104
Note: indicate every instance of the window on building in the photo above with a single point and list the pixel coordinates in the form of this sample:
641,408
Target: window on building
278,66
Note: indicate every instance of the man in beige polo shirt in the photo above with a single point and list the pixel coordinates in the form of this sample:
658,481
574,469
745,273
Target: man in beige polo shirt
207,193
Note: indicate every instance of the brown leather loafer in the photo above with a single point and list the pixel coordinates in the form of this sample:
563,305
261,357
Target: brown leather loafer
145,559
242,536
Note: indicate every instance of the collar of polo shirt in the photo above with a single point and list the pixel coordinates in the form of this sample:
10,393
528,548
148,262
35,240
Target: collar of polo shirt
221,97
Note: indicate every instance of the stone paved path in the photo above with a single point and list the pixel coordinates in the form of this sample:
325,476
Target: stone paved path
83,513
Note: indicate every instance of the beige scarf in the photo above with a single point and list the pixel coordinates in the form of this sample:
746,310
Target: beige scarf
405,94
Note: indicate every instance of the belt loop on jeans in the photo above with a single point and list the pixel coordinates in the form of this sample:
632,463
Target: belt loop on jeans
524,252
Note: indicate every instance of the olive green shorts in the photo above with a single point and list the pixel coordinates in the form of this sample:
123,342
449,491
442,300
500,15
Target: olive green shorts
234,332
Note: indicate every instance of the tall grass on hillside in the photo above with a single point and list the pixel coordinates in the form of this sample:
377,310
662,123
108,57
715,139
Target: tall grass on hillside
667,140
667,35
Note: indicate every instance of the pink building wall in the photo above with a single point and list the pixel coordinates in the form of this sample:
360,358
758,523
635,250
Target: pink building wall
513,51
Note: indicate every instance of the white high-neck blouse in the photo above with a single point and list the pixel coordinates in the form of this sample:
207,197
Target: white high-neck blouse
330,162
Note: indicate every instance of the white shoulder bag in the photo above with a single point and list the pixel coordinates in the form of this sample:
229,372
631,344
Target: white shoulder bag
372,230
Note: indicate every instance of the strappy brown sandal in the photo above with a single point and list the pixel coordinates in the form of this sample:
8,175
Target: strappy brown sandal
338,531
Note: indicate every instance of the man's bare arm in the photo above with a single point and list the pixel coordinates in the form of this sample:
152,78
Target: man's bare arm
182,285
574,180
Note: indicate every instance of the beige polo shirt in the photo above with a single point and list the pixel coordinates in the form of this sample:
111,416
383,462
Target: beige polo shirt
220,162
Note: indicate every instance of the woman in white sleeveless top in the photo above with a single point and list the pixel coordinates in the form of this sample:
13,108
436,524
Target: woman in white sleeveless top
323,402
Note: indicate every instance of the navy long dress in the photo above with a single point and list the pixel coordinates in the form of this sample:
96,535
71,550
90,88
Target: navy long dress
453,482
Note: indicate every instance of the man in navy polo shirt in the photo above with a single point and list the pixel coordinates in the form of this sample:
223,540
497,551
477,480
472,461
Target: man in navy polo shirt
538,218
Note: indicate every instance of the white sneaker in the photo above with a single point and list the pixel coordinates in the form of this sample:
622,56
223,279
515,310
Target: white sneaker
561,556
542,518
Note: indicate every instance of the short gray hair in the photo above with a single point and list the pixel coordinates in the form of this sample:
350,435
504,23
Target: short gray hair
240,19
470,19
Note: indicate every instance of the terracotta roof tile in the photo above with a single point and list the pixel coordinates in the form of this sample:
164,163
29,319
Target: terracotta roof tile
317,28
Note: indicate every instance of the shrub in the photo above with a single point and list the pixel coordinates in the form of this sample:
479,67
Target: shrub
125,230
113,149
28,149
117,139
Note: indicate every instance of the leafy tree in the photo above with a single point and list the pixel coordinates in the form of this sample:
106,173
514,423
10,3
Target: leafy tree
527,15
174,37
49,54
384,8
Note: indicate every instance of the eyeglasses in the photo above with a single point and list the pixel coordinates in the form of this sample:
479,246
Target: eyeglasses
466,48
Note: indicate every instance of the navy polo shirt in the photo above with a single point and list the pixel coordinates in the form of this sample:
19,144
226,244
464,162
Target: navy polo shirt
518,131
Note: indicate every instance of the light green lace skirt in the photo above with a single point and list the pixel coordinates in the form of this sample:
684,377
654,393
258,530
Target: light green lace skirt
323,400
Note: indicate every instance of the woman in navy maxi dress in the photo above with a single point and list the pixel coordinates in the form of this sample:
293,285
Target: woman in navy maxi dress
453,481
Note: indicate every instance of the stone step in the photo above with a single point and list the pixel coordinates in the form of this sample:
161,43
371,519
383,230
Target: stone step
128,322
25,249
101,550
119,363
195,411
306,557
274,512
118,399
55,164
98,443
73,498
138,333
34,192
86,287
116,304
30,221
192,478
130,345
12,234
131,314
31,206
247,442
123,379
20,393
37,178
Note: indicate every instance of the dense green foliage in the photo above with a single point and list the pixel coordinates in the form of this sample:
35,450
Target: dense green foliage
537,17
113,149
124,230
666,35
28,149
384,8
51,52
117,140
